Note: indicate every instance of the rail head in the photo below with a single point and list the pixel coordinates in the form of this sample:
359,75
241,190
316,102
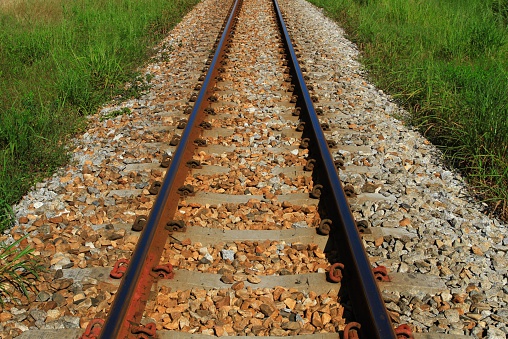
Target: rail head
362,286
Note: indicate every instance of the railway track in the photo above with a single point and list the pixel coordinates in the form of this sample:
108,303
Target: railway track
215,171
228,207
259,176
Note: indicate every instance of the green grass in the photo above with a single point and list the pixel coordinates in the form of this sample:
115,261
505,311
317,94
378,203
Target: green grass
18,269
447,62
60,60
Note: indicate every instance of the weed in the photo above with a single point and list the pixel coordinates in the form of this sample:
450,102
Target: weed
17,269
137,86
116,113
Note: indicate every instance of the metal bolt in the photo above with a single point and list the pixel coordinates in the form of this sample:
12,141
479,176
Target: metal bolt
339,164
205,125
193,164
145,331
200,142
316,192
186,190
140,223
381,273
181,124
325,226
335,272
310,165
331,143
300,127
351,330
163,271
155,188
305,143
349,190
166,160
362,226
404,332
175,226
210,111
174,140
119,268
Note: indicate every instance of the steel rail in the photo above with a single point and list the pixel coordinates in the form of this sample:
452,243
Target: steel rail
130,300
368,306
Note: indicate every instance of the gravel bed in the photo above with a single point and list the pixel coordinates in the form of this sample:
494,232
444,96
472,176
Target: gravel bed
246,182
262,159
254,215
453,238
247,311
252,258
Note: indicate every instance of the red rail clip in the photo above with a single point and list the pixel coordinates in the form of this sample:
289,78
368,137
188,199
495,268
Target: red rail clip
351,331
163,271
93,330
335,272
381,273
144,331
119,269
404,332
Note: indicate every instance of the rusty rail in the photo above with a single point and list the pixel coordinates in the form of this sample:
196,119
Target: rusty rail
127,309
368,305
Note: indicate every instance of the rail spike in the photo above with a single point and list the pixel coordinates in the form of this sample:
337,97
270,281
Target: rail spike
351,330
316,192
163,271
155,187
119,269
335,272
381,273
140,223
325,226
145,331
93,329
309,166
363,227
404,332
175,226
166,160
186,190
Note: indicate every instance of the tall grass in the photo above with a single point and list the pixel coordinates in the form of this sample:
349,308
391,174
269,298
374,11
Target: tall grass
446,61
59,60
